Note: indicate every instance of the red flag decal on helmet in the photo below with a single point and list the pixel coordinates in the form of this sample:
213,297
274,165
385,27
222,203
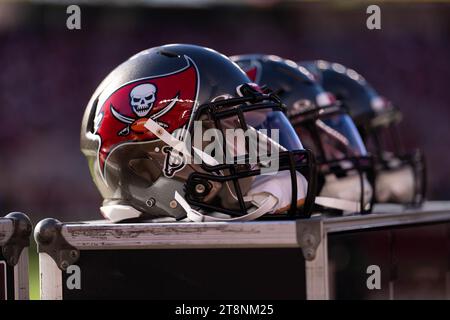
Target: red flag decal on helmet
167,99
251,73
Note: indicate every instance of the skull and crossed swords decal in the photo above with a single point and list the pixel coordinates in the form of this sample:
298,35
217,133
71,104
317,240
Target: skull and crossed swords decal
142,99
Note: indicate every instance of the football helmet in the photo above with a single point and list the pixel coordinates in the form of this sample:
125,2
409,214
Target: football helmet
147,133
400,175
345,179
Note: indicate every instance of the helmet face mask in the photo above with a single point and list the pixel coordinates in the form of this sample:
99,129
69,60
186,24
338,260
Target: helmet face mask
140,130
325,128
347,171
400,175
251,111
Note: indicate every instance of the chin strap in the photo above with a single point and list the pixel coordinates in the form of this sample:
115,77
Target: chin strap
165,136
340,204
265,203
119,212
177,144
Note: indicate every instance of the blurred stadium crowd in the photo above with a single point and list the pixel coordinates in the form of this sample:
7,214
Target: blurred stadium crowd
48,73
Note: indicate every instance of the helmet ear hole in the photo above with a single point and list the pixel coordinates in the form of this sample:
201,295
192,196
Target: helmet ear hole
145,169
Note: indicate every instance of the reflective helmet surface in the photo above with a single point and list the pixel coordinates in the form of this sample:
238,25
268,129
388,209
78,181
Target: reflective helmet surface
346,171
401,174
172,87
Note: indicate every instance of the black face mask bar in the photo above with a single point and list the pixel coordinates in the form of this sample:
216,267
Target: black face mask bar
363,165
416,160
301,161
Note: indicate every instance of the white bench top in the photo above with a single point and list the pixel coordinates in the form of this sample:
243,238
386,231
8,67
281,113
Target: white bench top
273,233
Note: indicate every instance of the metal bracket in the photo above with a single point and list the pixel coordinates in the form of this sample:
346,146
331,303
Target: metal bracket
309,236
19,239
51,241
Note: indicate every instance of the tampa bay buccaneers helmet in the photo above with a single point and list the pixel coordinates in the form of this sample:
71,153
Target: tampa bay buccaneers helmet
345,179
400,175
147,134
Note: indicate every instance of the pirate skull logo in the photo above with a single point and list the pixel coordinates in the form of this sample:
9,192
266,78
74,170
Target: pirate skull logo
167,99
142,98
